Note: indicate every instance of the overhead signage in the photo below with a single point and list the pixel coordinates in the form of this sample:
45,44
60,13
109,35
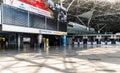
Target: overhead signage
52,32
30,30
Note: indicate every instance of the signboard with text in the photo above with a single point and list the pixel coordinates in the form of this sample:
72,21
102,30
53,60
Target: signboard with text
30,30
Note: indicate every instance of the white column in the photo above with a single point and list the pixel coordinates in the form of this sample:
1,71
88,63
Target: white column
19,41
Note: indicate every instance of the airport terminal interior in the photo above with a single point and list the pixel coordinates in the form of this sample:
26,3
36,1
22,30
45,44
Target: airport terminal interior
59,36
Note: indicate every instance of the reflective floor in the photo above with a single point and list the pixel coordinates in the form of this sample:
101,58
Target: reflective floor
67,59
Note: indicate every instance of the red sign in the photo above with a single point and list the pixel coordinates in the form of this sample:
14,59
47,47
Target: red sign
37,3
42,4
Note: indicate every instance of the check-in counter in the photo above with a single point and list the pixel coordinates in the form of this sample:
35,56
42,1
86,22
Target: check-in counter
89,43
75,43
80,43
102,43
109,43
94,43
117,43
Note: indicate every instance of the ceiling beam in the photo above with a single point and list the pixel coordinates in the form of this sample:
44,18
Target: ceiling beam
70,5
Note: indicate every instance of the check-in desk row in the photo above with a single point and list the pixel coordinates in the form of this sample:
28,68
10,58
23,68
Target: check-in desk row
95,43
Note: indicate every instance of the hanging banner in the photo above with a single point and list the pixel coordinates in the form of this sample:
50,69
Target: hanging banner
30,5
44,7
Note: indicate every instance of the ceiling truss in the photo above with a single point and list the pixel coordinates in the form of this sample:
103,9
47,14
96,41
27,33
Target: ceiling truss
105,11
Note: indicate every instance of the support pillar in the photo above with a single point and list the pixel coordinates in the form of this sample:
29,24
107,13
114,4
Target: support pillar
19,41
64,41
47,46
39,43
39,40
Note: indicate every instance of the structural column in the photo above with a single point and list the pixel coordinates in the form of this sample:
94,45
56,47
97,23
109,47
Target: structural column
64,40
40,42
19,41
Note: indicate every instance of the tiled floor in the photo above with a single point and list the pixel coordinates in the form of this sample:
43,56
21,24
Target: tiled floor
70,59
